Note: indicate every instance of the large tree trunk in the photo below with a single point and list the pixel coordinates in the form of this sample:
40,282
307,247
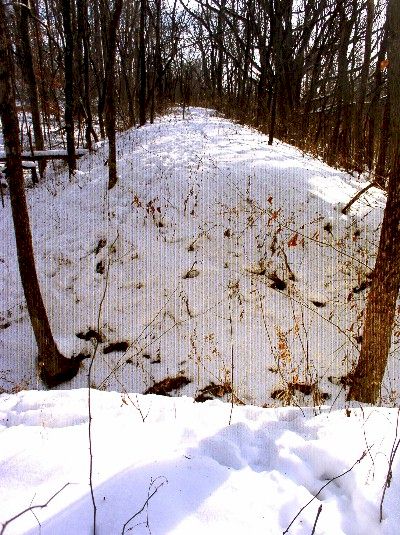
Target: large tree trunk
382,299
54,368
69,84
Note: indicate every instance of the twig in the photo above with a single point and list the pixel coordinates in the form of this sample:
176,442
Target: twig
232,362
389,475
358,195
121,361
316,519
31,508
149,497
322,488
90,392
320,315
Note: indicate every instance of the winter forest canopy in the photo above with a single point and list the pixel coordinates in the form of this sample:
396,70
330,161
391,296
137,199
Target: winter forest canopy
313,73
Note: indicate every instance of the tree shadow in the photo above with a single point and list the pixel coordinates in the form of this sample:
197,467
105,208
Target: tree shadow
184,483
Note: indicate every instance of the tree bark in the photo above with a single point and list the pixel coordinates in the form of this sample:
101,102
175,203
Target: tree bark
359,139
54,368
69,84
83,32
110,94
381,304
29,75
142,63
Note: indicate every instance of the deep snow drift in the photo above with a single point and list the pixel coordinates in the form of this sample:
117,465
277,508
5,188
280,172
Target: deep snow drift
227,266
252,476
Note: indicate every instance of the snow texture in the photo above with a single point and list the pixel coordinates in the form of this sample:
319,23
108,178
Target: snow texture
226,263
252,476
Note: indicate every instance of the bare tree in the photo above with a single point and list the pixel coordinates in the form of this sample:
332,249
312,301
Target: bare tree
28,71
142,74
110,93
382,298
54,368
83,36
69,84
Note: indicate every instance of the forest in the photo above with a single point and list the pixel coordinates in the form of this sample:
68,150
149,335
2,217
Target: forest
312,73
320,75
199,267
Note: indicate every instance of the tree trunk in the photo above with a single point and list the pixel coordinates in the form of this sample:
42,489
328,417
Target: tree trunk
110,94
54,368
382,298
83,32
142,64
371,146
69,84
30,76
359,139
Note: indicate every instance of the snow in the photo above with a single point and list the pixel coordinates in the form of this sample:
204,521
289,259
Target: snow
228,271
252,475
229,263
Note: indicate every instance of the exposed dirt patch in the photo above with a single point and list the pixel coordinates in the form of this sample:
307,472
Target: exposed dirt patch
167,385
91,333
116,346
212,391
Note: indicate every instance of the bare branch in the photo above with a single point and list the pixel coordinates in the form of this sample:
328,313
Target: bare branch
31,508
322,488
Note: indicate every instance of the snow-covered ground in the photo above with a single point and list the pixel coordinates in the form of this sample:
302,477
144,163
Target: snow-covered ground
227,265
169,465
227,271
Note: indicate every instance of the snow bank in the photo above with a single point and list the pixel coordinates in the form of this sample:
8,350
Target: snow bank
250,476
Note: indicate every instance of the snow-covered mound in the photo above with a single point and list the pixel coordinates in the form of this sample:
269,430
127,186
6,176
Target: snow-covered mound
228,268
172,466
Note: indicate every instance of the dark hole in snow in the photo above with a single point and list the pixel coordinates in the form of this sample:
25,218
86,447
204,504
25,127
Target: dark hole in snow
318,304
5,325
91,333
277,283
363,286
100,267
278,393
227,233
129,361
212,391
116,346
100,245
162,388
192,273
304,388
